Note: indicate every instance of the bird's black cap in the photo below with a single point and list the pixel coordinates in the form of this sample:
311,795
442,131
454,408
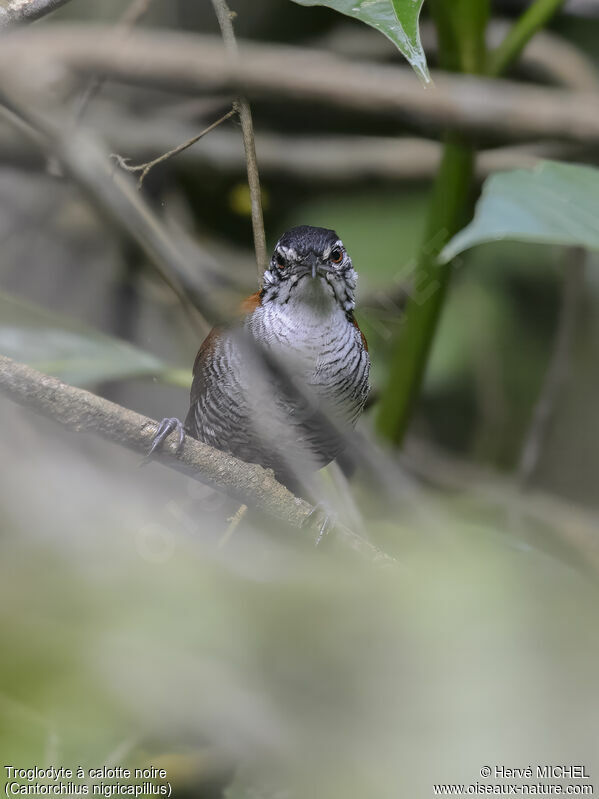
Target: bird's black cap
306,239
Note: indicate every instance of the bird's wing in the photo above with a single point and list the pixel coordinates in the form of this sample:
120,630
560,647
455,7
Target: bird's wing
204,353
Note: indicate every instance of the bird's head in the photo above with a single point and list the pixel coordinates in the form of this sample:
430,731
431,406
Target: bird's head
309,262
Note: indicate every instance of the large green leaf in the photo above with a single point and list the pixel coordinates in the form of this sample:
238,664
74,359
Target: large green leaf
554,203
68,349
396,19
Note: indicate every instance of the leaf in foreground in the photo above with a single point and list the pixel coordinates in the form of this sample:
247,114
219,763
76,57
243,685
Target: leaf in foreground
396,19
554,203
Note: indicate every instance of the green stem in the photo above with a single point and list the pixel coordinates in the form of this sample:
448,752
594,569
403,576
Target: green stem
451,196
461,33
460,28
535,17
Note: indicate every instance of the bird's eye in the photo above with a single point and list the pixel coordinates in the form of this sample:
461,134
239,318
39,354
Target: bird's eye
336,256
280,261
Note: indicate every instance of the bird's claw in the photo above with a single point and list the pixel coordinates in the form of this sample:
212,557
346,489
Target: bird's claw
165,428
327,523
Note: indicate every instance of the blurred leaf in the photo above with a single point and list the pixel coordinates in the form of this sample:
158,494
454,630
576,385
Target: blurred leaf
396,19
554,203
68,349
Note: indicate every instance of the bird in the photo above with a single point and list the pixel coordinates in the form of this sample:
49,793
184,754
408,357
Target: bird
303,318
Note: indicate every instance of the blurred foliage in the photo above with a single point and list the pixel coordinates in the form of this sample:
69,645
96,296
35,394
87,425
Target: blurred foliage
132,635
72,351
66,348
133,639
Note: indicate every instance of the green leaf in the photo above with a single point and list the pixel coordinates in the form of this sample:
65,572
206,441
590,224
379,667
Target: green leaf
396,19
68,349
555,203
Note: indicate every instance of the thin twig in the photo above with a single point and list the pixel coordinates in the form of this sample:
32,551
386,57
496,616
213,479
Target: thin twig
225,20
145,168
23,11
82,411
559,367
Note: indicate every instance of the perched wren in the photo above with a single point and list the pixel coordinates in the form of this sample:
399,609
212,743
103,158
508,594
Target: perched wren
303,316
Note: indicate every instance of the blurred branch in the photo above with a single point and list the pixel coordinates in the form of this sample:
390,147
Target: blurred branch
145,168
21,11
225,20
559,366
339,159
191,63
82,411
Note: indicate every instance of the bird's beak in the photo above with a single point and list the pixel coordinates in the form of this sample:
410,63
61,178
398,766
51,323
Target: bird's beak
316,266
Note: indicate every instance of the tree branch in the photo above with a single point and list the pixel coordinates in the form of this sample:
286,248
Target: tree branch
331,159
225,21
22,11
191,64
82,411
145,168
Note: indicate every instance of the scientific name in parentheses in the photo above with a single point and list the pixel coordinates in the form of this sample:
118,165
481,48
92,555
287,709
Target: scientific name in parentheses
73,789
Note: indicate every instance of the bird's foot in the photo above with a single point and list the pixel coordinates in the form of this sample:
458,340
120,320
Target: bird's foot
326,521
165,428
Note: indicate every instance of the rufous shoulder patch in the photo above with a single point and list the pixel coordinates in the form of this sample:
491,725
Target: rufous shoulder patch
357,326
250,303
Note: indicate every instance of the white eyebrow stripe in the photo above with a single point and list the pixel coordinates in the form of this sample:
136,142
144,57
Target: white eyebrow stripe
288,252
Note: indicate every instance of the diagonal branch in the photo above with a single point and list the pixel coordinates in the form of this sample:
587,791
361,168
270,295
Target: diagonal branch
82,411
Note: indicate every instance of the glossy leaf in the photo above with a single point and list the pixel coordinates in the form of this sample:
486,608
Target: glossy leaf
555,203
68,349
396,19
